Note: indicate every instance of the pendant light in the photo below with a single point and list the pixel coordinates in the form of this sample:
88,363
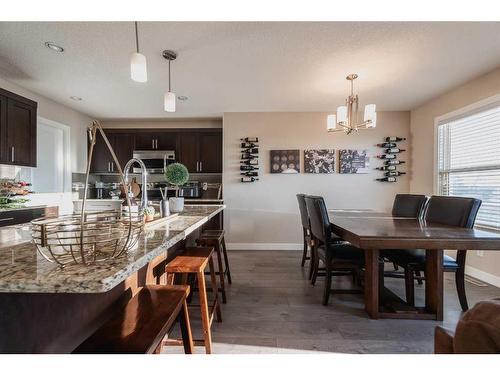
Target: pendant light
169,100
138,69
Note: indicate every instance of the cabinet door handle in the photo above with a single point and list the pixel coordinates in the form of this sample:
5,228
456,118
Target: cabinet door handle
197,166
13,153
7,219
112,167
153,144
201,167
156,141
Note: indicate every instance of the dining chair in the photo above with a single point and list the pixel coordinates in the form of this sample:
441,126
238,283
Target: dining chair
338,257
408,206
454,211
306,230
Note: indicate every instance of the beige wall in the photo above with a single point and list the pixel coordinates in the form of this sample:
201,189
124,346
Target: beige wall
266,211
57,112
422,150
179,123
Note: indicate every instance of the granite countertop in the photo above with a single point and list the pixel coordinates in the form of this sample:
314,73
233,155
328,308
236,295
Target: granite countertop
24,270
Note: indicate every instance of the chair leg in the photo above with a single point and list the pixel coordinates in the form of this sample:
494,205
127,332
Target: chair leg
314,268
226,261
395,266
410,287
304,253
460,282
187,337
312,263
328,284
221,272
419,280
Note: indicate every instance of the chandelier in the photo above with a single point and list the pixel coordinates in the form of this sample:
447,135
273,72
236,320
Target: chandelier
346,118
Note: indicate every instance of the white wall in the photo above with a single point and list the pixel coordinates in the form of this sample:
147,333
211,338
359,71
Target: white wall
51,110
422,153
264,214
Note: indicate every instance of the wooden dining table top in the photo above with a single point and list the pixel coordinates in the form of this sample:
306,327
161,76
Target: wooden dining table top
379,230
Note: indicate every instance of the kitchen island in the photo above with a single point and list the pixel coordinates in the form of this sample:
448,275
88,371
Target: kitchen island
48,309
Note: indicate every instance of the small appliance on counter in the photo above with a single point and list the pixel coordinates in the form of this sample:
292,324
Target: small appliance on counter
190,190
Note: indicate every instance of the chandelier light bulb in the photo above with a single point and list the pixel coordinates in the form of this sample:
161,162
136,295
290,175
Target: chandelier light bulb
331,122
138,68
169,102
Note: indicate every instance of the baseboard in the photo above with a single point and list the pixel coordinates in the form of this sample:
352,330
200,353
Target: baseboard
483,276
265,246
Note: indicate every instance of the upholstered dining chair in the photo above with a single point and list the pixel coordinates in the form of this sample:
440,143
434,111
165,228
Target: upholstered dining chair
306,230
339,257
453,211
407,206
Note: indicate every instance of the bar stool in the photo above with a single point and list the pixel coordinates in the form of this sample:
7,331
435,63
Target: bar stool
215,238
194,261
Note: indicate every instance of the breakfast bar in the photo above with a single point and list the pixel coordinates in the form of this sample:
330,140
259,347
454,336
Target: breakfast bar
48,309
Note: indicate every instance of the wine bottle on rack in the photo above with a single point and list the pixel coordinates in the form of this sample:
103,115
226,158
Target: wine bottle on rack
387,179
394,150
387,168
250,162
253,145
249,179
394,173
394,162
250,174
250,139
394,139
387,144
253,150
248,168
387,156
248,156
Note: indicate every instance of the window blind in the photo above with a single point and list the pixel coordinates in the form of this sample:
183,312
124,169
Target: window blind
469,161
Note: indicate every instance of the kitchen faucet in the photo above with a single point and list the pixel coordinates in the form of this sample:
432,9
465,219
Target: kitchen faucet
144,181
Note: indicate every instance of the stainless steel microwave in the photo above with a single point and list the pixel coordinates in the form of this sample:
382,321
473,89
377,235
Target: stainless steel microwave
155,161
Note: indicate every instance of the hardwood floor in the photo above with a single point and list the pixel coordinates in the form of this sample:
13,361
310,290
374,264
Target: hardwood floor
272,308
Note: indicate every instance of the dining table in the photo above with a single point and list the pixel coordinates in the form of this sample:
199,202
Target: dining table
374,231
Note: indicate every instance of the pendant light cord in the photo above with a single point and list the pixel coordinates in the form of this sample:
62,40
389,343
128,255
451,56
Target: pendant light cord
136,37
169,76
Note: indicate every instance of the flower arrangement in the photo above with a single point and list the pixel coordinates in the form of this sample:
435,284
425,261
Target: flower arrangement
176,174
149,213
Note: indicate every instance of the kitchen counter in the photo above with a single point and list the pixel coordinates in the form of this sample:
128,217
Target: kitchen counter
23,270
21,208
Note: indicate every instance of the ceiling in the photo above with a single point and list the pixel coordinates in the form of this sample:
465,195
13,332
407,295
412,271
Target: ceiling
238,66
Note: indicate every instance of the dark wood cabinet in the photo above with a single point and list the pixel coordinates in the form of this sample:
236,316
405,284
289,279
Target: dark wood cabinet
146,140
210,145
102,161
17,129
187,151
200,151
20,216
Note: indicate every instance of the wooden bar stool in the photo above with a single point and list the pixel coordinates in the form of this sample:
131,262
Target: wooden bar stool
194,261
141,326
215,238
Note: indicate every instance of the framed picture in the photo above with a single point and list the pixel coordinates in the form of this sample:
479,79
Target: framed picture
354,161
285,161
319,161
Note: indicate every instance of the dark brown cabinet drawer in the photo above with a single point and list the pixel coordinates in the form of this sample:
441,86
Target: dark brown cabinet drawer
20,216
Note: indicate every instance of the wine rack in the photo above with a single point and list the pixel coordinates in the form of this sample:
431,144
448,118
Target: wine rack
391,151
249,162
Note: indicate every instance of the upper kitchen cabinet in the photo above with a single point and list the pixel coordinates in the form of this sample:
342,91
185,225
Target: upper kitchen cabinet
18,118
102,161
200,150
164,140
210,152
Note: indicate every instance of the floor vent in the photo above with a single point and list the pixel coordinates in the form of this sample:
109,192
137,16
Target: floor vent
474,281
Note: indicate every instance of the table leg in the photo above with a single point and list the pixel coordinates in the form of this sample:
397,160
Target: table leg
187,338
372,283
434,283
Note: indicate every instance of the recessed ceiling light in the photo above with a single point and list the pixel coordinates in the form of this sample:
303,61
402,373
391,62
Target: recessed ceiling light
54,47
76,98
182,97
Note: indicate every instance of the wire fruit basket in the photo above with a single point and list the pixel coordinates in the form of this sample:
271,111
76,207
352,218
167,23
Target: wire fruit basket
89,237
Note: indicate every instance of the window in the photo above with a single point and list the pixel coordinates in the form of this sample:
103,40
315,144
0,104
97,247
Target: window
469,160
